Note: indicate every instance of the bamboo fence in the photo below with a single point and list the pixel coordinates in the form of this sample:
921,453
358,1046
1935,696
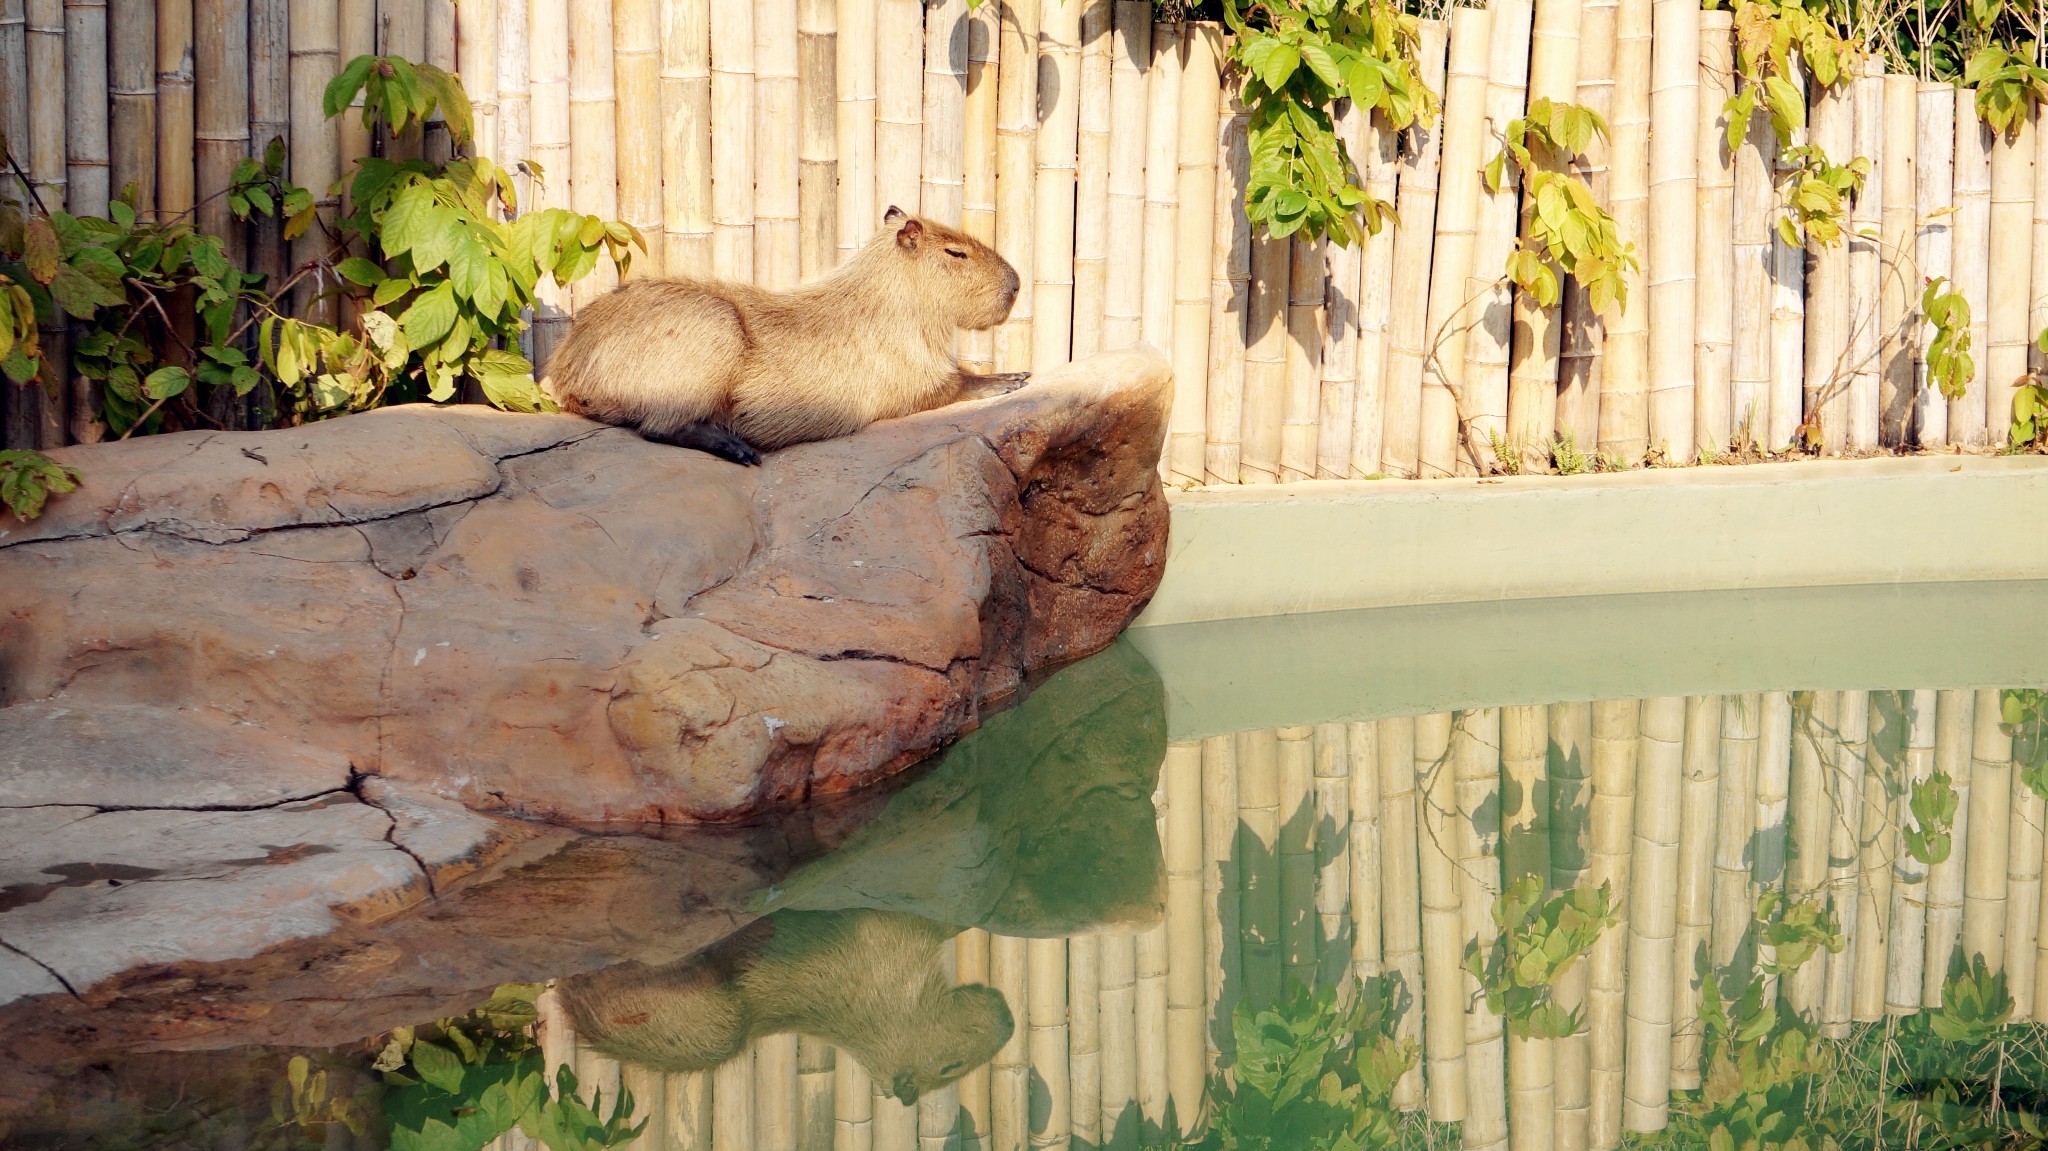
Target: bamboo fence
1102,150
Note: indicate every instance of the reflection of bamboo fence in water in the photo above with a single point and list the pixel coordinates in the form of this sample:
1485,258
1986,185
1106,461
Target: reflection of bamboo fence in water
1314,854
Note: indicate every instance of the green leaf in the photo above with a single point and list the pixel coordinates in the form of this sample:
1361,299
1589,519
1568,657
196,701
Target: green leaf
438,1066
165,383
341,90
430,316
357,270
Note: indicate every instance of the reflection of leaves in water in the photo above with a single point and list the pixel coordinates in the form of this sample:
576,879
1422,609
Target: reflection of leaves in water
1538,940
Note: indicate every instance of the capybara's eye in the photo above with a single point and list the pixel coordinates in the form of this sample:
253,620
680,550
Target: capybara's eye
957,253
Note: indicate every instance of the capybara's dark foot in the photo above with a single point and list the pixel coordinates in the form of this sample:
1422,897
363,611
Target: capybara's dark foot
719,441
1000,384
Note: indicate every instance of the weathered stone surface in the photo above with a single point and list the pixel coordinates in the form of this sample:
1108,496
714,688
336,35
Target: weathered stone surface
533,615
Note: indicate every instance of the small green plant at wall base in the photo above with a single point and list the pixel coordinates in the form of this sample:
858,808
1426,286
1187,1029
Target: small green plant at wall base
1934,813
1816,193
1539,940
2030,407
1299,58
1974,1003
1949,363
27,479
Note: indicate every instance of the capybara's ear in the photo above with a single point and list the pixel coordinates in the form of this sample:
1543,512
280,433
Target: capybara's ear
909,234
894,216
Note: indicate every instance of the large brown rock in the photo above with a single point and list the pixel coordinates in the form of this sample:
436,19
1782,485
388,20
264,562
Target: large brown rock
540,616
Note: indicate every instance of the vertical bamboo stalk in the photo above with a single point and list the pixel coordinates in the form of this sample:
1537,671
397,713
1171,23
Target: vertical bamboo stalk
1773,801
1788,321
1298,951
818,138
402,31
1625,368
1116,997
1714,253
14,87
1162,185
1414,255
1330,838
938,1119
220,114
1525,852
2041,961
775,1101
1380,156
1653,899
1475,754
1845,815
1485,407
1614,752
778,242
1195,224
1866,263
895,1123
1813,757
1749,390
1337,418
131,90
2023,896
1899,291
1734,900
1130,62
1690,951
315,46
1153,1096
1970,241
1884,771
1091,180
899,102
1537,330
636,67
1443,983
1673,227
1059,48
1258,815
1584,335
1224,973
1984,868
1009,1119
440,46
2011,242
686,1110
1084,1033
1365,883
1230,291
1827,307
816,1068
1187,1002
1458,199
944,185
593,122
1305,320
1265,360
732,1100
1908,936
732,140
685,137
1954,723
548,111
476,61
978,189
174,81
1016,128
1934,198
1400,891
2037,308
270,116
854,76
1571,797
853,1105
970,967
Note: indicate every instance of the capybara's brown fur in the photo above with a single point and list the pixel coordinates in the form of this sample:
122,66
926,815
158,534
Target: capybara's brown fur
731,368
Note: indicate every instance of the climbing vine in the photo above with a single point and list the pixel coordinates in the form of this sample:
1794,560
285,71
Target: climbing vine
1538,940
1949,361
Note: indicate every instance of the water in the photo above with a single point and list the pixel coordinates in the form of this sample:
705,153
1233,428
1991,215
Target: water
1246,877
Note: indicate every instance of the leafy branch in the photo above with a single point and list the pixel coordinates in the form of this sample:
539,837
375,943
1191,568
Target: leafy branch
1816,194
1571,233
27,478
1538,940
1949,363
1933,803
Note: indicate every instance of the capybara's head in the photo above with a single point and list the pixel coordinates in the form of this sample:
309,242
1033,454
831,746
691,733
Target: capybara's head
952,1031
955,272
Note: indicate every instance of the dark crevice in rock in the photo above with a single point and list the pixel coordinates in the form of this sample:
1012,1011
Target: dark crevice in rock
54,973
1081,584
881,657
105,808
355,785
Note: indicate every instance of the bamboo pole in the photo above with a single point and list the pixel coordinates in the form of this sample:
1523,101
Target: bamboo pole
1885,770
1414,255
1084,1035
1934,199
1954,723
1970,241
593,122
854,77
1258,814
1265,361
1625,368
636,68
2037,308
1059,46
775,1092
685,137
732,141
476,62
1714,253
895,1123
978,146
1369,955
1458,198
1735,827
1571,797
1899,290
1653,900
2010,244
1615,735
270,116
816,1067
511,70
1116,997
1671,261
1813,756
1845,815
1153,1096
1828,320
1443,983
2022,895
402,31
1866,263
1009,1119
174,125
1091,181
2040,961
1016,127
732,1100
970,967
1223,972
1773,805
1989,847
1337,419
596,1074
548,91
1475,754
1485,399
1380,155
1697,839
1305,322
1162,185
899,103
1537,330
1298,950
131,92
944,183
1230,292
1331,833
1908,924
1749,389
220,114
686,1111
1195,224
1788,321
1400,896
817,137
1187,1001
315,46
14,88
778,196
1584,334
1525,852
1130,62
